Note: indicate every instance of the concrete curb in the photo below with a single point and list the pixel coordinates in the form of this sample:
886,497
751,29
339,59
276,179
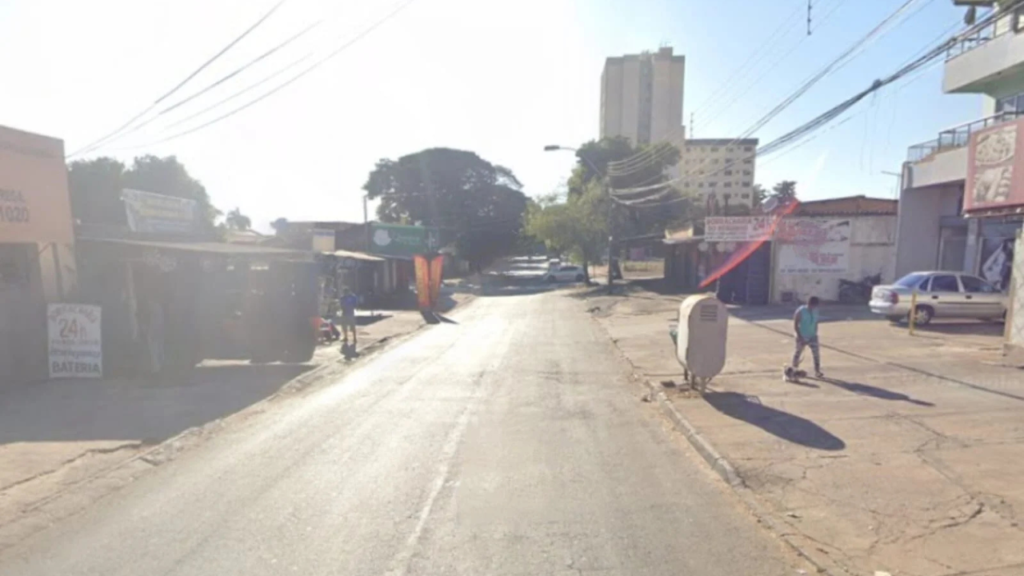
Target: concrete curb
708,452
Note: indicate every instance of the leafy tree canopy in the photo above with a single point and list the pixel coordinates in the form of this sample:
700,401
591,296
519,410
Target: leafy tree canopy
784,192
235,220
95,187
478,206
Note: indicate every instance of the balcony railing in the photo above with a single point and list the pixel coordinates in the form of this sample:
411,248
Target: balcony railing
1010,22
959,136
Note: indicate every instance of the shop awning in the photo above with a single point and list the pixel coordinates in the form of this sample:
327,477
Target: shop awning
354,255
220,248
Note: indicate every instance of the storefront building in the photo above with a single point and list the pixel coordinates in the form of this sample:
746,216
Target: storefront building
37,257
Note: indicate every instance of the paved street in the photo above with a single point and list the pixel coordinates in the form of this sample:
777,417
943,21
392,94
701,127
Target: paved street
509,442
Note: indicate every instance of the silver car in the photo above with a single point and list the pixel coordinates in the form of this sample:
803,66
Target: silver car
939,295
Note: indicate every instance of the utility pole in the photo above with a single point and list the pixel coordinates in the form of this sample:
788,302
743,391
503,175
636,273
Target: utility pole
809,17
366,222
693,129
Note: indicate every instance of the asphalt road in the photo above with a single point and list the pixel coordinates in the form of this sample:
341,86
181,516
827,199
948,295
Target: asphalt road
509,443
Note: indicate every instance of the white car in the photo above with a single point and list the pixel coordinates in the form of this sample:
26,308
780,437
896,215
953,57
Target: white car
939,295
564,274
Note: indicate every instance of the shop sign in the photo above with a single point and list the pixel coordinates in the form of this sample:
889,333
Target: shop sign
150,213
34,202
399,240
737,228
75,341
995,173
813,246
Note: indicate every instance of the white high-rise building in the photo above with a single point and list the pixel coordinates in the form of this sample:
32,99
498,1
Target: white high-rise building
642,96
722,167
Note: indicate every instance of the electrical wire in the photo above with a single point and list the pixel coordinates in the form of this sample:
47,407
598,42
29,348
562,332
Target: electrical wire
366,32
94,144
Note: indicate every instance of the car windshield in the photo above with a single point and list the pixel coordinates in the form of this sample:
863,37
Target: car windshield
910,280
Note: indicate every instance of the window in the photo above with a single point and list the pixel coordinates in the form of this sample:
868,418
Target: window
975,285
728,172
748,161
729,149
714,160
727,196
745,195
727,185
746,183
746,172
686,184
945,283
712,184
911,281
748,148
714,149
700,185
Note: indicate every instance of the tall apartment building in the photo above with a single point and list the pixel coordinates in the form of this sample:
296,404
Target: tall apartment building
642,96
722,167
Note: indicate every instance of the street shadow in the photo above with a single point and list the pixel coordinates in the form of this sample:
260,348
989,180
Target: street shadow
784,425
500,291
827,313
874,391
371,319
435,318
802,383
991,329
150,409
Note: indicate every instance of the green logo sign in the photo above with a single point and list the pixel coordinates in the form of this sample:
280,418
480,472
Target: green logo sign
399,240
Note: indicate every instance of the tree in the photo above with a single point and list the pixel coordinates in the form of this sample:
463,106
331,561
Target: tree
279,225
784,192
759,196
235,220
478,206
577,226
95,187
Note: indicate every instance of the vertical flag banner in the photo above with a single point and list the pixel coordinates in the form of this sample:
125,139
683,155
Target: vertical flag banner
422,281
436,274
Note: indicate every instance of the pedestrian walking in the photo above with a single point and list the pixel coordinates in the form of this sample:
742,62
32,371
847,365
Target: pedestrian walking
805,328
349,301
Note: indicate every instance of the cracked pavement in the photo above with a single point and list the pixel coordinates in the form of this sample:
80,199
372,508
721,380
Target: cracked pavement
907,458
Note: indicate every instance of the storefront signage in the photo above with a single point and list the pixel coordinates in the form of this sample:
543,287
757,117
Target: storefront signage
399,240
737,228
995,172
813,246
75,341
34,203
150,213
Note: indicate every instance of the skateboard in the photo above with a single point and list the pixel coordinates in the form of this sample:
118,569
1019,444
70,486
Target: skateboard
790,374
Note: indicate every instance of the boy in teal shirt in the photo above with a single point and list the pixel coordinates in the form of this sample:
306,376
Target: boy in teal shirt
805,326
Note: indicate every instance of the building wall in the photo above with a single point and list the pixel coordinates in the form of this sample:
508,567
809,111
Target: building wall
720,166
641,91
872,251
920,211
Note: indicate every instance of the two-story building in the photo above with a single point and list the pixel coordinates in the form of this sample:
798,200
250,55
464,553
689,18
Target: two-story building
962,200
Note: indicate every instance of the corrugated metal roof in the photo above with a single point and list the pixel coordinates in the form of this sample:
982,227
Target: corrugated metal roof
848,206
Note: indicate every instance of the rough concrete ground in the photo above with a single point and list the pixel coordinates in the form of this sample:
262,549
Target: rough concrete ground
907,459
57,435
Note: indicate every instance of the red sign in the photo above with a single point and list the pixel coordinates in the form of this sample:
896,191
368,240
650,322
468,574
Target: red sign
995,172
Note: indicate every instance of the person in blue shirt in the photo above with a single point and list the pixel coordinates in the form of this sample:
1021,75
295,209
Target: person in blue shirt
805,327
349,301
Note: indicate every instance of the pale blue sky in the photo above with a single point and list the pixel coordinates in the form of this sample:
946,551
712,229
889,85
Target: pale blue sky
497,77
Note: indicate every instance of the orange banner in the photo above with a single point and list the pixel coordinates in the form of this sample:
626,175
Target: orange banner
436,274
422,281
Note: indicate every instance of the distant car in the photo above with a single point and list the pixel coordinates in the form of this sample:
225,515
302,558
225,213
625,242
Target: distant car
939,295
564,274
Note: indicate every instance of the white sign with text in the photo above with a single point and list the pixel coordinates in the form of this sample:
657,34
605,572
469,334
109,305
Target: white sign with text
75,341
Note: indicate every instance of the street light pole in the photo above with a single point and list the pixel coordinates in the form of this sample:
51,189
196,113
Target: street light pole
611,210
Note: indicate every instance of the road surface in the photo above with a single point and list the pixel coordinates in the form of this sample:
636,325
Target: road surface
508,443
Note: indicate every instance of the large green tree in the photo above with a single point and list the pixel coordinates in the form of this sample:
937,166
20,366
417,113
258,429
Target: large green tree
784,192
478,205
95,187
577,225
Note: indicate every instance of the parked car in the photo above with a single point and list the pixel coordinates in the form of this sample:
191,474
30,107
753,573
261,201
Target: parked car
564,274
939,295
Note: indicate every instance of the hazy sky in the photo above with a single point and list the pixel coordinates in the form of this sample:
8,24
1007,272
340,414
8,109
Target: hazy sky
498,77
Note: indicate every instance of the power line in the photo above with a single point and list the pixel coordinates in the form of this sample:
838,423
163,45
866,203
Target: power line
623,168
91,146
288,82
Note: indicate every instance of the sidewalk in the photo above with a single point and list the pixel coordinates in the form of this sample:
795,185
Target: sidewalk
55,435
908,459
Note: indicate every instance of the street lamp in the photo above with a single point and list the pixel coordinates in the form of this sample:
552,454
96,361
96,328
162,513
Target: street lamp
611,219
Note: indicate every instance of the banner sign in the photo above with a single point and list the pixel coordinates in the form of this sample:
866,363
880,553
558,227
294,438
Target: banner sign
75,341
994,171
158,213
34,202
400,240
813,246
737,228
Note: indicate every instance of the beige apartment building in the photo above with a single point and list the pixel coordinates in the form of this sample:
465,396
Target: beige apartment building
723,168
642,96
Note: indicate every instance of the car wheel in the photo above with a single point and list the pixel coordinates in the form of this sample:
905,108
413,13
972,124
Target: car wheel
579,277
923,316
895,319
